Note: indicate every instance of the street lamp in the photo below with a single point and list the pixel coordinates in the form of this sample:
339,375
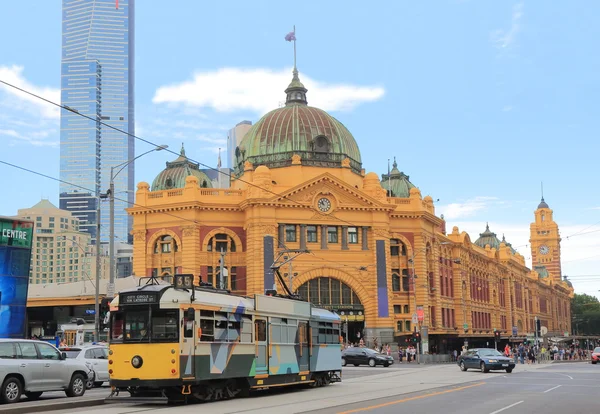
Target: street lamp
110,291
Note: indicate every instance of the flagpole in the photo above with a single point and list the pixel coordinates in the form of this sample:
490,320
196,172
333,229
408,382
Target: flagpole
294,47
388,180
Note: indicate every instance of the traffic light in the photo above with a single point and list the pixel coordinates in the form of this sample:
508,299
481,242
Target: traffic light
104,309
497,335
416,336
538,327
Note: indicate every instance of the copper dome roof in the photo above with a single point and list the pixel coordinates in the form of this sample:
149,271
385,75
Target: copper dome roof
298,129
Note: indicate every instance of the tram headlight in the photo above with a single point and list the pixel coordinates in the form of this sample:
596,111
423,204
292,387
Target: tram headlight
137,361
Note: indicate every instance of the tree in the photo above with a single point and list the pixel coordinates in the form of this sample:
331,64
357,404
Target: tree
585,314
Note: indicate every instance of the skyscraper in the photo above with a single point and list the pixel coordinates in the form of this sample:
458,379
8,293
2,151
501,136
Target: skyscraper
234,137
97,79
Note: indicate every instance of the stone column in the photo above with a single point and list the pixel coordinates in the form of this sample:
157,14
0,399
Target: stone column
344,237
365,238
303,236
323,237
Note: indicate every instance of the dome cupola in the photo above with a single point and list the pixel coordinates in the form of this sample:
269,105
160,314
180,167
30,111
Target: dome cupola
488,237
396,183
317,138
177,171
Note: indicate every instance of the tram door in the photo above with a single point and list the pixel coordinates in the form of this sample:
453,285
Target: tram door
188,342
303,361
260,339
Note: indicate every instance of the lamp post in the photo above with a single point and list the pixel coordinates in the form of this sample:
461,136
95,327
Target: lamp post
110,291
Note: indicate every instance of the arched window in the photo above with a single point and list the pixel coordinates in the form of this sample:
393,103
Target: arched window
329,291
169,182
221,242
320,144
165,244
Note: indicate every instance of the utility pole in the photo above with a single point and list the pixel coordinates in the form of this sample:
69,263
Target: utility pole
110,290
98,270
222,270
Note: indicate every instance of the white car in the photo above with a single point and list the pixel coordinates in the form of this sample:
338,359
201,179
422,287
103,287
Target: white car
33,367
95,357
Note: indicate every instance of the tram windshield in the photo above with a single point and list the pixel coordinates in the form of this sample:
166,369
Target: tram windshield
145,325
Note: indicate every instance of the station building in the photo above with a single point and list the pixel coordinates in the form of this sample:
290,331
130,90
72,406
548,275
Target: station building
376,253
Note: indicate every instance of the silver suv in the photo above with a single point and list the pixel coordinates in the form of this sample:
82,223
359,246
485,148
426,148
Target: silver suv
32,367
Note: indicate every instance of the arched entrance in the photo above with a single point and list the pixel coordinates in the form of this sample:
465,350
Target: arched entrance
336,296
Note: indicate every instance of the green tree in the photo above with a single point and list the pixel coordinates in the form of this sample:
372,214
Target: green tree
585,314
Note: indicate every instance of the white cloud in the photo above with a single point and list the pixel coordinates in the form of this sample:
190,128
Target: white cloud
507,108
35,138
260,90
14,75
503,39
466,209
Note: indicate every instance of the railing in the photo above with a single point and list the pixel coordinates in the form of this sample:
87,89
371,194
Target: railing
204,192
311,158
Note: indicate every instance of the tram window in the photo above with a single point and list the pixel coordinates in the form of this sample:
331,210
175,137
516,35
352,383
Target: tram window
260,330
116,328
188,328
165,325
246,335
233,331
208,330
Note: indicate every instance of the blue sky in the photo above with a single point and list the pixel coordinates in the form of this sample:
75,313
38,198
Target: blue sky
478,100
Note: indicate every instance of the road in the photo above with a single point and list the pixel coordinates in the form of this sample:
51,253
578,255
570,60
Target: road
547,389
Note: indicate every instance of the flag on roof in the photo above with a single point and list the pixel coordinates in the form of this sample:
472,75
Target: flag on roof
290,36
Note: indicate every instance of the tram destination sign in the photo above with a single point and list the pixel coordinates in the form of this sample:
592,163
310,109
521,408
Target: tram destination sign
138,298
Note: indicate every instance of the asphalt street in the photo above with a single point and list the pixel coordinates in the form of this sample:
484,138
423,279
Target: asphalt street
547,389
560,388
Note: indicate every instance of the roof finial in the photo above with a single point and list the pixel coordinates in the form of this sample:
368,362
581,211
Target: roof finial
219,160
542,191
182,152
487,226
295,92
395,165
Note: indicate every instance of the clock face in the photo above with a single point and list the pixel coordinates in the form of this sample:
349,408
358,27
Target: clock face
544,249
324,204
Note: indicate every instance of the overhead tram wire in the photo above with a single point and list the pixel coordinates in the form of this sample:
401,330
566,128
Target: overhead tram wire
93,191
67,108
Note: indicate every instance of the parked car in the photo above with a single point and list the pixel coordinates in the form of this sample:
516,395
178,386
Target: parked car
485,359
95,357
360,356
33,367
596,355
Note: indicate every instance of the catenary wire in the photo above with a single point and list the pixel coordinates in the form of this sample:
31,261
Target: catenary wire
65,107
92,191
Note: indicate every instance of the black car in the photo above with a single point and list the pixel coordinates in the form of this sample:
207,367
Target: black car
360,356
485,359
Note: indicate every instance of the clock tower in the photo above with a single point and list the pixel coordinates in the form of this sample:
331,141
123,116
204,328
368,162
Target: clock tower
545,243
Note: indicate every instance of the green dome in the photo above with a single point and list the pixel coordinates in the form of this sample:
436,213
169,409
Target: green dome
177,171
311,133
399,184
488,237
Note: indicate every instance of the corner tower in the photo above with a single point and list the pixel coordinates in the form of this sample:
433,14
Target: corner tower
545,243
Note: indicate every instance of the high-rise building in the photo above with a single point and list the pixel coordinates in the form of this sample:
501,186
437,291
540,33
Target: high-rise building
234,138
97,80
61,253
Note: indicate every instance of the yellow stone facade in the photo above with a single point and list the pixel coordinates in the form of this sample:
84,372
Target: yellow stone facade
362,249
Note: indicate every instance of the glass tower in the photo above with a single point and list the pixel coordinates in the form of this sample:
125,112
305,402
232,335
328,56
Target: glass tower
97,80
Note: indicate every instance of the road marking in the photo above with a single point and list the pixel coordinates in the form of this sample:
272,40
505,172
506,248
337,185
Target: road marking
418,397
553,388
506,408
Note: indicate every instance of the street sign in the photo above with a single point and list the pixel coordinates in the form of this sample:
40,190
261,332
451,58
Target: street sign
415,319
544,331
90,312
110,290
514,331
465,326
